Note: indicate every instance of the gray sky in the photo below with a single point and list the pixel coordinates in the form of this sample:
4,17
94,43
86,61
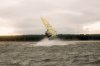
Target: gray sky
66,16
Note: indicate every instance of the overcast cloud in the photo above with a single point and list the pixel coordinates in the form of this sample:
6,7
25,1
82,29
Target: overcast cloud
66,16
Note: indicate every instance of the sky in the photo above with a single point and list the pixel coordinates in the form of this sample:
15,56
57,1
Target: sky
66,16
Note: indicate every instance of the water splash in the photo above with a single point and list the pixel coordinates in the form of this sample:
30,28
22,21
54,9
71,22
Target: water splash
47,42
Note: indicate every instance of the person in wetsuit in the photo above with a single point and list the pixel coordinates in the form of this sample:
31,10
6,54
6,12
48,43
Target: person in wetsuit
48,34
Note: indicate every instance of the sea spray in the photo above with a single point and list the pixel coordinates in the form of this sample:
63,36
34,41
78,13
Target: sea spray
47,42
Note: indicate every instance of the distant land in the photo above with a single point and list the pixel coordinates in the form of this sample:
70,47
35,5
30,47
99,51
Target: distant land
59,36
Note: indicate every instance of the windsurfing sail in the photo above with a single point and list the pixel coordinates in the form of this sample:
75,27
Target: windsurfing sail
50,29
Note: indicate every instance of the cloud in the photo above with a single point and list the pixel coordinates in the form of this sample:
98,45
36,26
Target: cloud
93,28
8,3
66,16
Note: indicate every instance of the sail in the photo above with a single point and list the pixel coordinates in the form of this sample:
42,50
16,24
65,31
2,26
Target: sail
48,27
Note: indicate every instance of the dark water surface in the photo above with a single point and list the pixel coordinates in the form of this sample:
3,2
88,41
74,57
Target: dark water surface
26,54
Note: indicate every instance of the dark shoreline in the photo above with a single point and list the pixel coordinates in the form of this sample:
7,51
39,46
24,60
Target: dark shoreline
60,36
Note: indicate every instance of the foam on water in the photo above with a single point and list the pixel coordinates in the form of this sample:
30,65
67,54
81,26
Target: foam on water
47,42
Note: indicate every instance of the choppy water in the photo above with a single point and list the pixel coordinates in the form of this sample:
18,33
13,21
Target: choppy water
50,53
